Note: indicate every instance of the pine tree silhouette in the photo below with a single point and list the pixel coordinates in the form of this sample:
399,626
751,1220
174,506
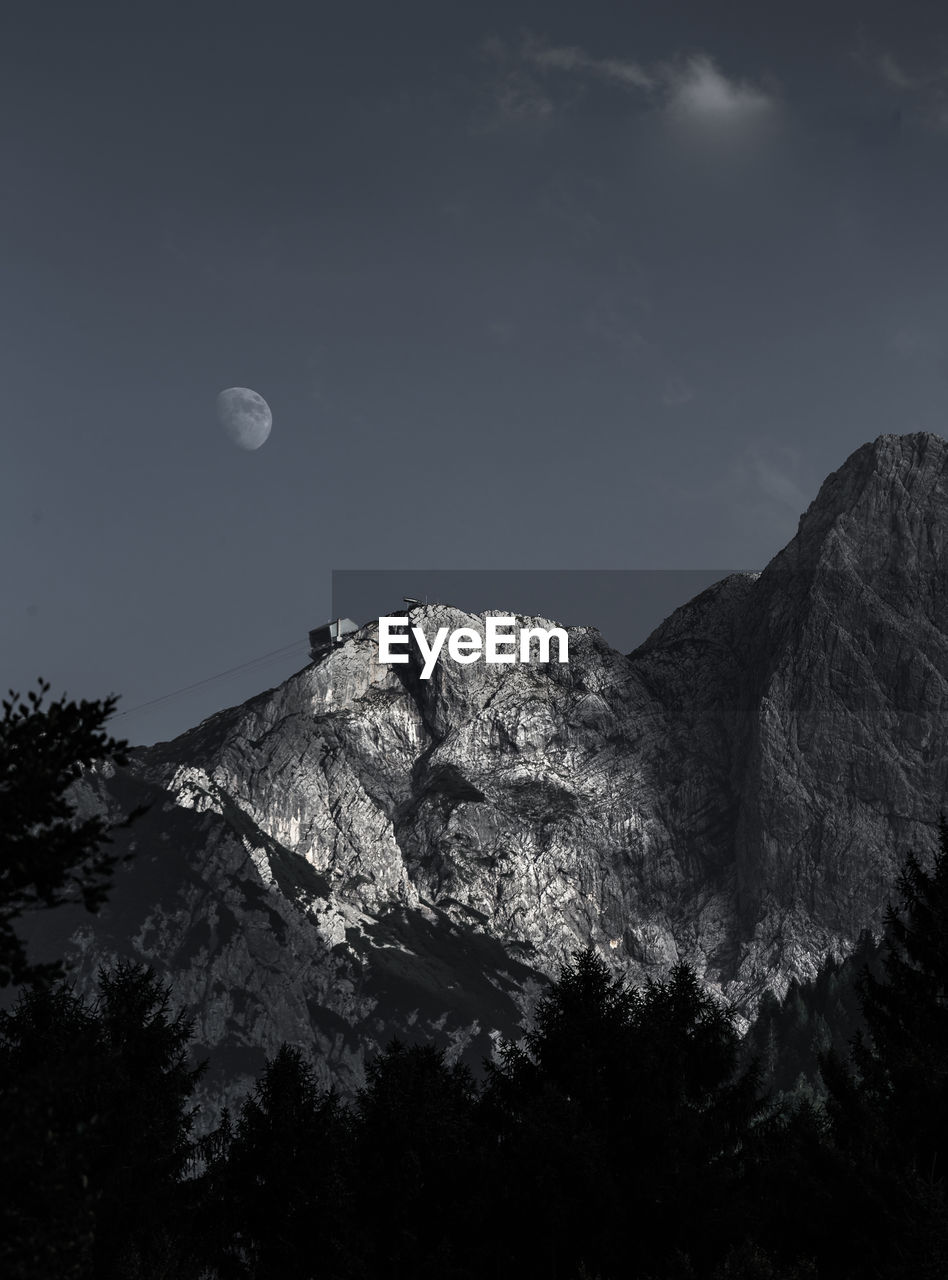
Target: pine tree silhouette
96,1124
621,1118
275,1188
418,1154
47,856
889,1103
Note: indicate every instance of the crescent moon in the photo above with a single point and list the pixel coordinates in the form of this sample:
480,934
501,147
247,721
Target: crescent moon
245,417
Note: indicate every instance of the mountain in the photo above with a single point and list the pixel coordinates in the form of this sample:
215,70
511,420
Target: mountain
360,852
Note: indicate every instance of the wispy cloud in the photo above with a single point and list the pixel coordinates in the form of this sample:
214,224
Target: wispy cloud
570,199
514,96
676,392
913,344
698,90
691,89
925,90
519,98
763,490
754,496
618,315
618,71
620,324
892,73
771,472
920,347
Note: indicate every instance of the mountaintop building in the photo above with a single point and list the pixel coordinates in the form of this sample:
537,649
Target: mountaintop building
329,634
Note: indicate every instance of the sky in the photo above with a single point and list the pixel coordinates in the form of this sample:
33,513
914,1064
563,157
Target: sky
526,286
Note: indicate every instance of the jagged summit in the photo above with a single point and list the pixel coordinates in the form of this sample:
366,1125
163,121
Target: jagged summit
880,516
884,469
359,852
890,489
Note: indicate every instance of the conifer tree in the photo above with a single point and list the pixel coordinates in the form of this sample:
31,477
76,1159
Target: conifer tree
625,1109
96,1129
48,857
418,1153
275,1185
889,1103
894,1099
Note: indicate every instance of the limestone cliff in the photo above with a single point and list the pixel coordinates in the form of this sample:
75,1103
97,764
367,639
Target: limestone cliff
360,852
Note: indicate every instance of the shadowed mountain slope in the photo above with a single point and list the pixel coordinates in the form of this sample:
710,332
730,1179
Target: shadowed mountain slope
360,852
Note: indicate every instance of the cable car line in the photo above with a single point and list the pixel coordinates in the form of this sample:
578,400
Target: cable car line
199,684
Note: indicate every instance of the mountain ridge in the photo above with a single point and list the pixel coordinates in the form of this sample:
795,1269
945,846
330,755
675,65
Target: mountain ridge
358,852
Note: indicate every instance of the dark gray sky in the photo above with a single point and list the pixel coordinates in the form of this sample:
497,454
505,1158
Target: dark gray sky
525,285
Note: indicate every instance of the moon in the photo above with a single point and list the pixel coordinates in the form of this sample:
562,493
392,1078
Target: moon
245,416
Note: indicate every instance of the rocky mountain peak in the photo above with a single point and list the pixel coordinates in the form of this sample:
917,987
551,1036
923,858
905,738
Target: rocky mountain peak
362,852
884,504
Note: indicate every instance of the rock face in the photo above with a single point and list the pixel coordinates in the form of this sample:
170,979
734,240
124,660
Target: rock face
360,853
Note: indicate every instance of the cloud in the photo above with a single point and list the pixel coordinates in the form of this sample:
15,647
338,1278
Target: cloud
514,101
520,99
759,493
927,92
692,89
676,392
618,323
618,71
753,496
618,316
920,348
569,199
514,98
697,90
616,330
892,73
771,471
912,344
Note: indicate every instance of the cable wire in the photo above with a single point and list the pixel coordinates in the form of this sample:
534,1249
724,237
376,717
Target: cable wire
199,684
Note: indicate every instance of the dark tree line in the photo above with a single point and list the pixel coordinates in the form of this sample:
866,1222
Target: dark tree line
630,1133
47,857
95,1113
789,1036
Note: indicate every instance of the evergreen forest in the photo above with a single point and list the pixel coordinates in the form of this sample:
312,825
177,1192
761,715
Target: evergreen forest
632,1134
